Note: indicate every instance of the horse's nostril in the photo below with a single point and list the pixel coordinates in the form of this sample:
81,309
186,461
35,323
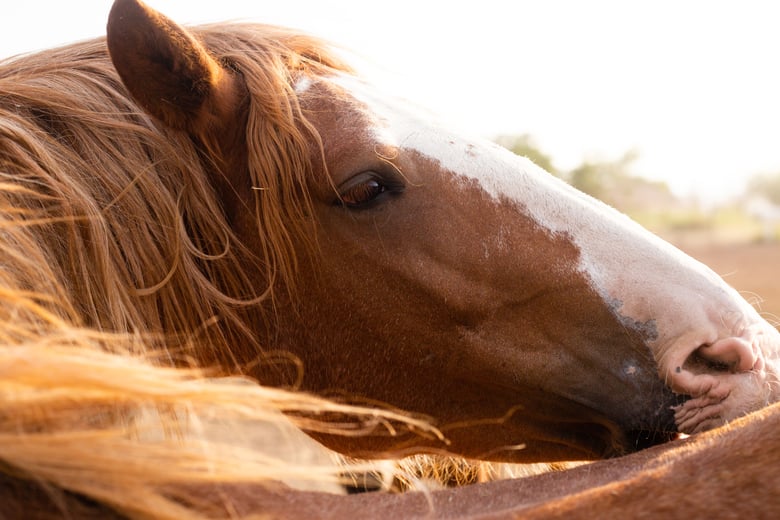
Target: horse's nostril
725,355
699,363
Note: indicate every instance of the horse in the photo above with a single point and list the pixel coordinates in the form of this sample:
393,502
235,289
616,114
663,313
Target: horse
232,201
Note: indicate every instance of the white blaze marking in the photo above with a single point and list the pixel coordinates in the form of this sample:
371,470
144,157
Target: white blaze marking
609,241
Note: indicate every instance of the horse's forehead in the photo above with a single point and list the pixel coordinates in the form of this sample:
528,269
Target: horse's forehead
368,116
397,123
356,120
345,124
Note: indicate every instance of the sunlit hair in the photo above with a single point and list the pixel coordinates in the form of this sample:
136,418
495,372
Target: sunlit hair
79,411
112,218
122,285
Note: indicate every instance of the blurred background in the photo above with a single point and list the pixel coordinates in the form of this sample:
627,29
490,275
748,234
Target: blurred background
667,110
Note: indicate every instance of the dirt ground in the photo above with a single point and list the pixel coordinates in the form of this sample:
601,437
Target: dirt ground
753,269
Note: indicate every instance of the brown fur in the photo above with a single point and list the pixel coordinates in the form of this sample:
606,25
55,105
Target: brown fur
154,217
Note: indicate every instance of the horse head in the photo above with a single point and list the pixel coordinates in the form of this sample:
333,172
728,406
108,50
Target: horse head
444,275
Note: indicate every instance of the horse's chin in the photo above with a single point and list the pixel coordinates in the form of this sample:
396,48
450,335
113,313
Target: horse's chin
619,433
588,434
598,441
659,430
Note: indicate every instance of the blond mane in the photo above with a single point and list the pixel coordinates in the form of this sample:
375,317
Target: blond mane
113,218
119,270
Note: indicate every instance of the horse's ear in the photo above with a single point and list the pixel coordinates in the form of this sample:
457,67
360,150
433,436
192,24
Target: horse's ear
168,72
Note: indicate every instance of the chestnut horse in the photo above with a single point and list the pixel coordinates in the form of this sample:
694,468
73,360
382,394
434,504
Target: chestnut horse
231,197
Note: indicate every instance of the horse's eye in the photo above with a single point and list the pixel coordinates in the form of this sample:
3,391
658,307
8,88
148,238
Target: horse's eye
362,193
365,189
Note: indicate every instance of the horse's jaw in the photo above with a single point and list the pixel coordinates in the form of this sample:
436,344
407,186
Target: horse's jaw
596,395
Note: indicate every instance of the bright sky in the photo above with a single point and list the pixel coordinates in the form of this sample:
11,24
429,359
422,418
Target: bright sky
693,86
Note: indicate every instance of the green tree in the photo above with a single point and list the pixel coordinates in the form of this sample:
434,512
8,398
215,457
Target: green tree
525,146
611,181
614,183
601,178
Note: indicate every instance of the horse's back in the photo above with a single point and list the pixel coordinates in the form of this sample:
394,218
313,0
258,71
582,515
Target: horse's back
720,474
